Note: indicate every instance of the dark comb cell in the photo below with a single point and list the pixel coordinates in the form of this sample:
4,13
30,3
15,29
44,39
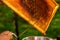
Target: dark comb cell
36,8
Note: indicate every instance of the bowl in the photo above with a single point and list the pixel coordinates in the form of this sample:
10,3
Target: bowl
37,38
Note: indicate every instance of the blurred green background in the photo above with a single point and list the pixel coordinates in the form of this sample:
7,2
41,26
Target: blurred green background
25,29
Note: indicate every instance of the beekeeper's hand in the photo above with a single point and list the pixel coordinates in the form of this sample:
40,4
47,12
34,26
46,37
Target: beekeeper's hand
6,35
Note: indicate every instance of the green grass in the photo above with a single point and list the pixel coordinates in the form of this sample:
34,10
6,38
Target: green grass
7,23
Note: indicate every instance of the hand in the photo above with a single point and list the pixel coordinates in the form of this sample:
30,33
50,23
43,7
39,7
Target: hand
6,36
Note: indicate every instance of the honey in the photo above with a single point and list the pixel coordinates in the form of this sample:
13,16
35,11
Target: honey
38,13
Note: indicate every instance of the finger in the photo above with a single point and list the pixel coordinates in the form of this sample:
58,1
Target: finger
7,34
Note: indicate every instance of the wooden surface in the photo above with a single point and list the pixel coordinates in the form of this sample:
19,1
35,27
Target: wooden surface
39,13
